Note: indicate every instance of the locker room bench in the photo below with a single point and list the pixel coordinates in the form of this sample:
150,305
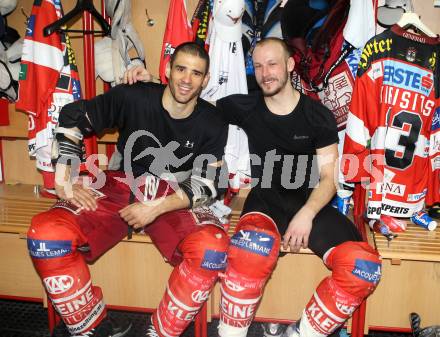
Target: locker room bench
410,279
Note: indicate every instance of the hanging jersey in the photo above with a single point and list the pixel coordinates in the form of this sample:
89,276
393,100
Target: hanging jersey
178,30
49,71
200,22
387,142
228,77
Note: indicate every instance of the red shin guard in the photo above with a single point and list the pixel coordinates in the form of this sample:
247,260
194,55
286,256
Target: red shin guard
252,257
356,272
190,283
53,239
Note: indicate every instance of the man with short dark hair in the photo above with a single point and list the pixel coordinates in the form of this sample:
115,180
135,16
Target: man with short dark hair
172,143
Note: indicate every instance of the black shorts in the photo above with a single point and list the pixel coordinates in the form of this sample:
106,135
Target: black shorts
330,228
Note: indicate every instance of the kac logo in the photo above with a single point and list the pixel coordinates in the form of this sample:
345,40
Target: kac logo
58,284
200,296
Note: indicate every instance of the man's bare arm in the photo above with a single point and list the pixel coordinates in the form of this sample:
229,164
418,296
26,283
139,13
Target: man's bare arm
328,168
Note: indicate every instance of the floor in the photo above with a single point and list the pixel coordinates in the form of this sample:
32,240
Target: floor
25,319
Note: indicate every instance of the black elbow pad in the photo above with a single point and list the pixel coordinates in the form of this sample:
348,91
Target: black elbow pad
75,115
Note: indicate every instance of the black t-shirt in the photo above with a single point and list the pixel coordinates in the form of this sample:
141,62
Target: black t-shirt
137,112
293,138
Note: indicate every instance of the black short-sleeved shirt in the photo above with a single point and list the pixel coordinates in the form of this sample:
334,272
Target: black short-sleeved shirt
139,108
294,138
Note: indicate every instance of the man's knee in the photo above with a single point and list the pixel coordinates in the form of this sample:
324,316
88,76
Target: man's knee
255,246
206,249
52,235
356,267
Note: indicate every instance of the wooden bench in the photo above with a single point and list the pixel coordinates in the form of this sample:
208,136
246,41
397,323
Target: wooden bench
410,279
411,272
17,206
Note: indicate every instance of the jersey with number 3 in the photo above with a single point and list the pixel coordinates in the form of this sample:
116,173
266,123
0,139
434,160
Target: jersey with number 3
393,133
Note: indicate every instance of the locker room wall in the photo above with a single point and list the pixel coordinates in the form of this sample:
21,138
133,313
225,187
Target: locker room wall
19,168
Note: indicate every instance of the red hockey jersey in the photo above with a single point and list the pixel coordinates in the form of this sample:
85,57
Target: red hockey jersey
48,80
393,129
177,31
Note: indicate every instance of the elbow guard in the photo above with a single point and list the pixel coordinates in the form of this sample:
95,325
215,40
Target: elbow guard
65,149
75,115
200,191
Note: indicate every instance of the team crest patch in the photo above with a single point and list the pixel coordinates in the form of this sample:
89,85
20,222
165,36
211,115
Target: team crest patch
411,54
337,97
169,50
67,206
367,270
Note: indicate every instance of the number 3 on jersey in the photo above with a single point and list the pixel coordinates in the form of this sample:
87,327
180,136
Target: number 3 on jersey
402,136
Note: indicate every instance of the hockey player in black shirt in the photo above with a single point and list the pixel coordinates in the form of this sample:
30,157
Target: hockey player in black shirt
172,144
293,141
296,138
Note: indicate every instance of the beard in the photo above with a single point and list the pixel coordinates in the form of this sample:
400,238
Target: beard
178,98
272,92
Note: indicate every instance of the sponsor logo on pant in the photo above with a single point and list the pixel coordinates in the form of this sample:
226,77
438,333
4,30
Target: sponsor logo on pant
255,242
213,260
181,313
388,208
237,314
58,284
367,270
319,318
41,249
88,320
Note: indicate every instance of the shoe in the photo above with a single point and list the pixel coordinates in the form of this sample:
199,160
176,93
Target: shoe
272,329
107,328
151,330
292,330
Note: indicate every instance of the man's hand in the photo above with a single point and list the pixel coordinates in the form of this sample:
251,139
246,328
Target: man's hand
139,214
78,195
137,73
297,234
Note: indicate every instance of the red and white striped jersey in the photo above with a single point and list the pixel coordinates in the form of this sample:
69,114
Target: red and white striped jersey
393,128
48,80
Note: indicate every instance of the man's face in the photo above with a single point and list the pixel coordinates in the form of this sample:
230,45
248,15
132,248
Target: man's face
272,68
187,77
